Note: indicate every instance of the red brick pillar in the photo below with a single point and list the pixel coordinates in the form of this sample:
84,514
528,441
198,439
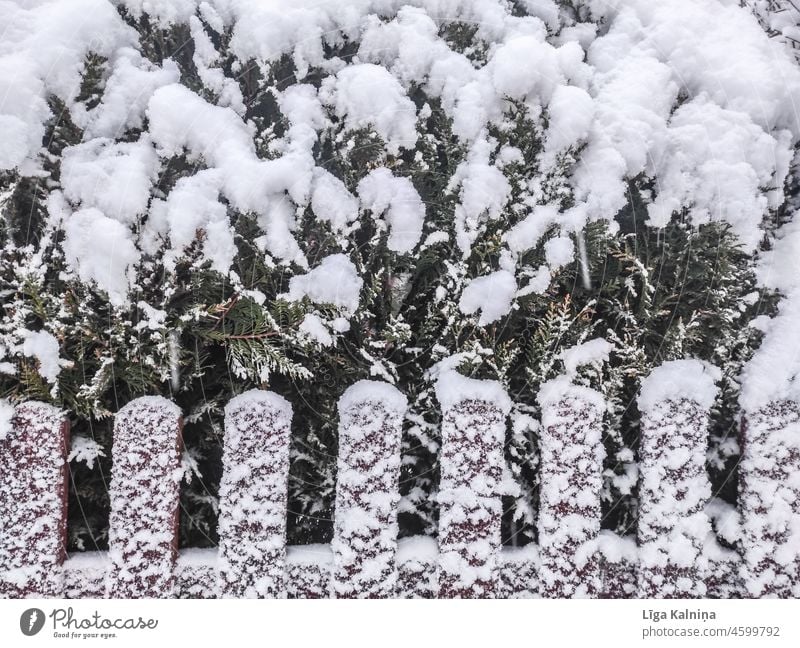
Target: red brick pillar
674,487
144,492
253,495
33,502
367,491
572,456
470,501
769,499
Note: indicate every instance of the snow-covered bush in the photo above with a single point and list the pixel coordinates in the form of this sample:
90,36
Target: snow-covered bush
200,198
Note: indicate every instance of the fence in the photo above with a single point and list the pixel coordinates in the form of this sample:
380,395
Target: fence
675,553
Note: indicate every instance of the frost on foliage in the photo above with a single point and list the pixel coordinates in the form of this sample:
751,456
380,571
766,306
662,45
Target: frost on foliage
144,493
572,456
492,295
367,491
769,499
86,450
33,501
470,492
674,488
396,198
253,493
334,281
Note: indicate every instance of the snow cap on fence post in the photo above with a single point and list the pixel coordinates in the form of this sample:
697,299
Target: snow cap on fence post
470,504
674,487
145,491
34,439
572,456
367,491
253,495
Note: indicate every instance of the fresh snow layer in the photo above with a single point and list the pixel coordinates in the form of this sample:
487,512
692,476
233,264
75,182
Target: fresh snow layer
453,388
592,352
334,281
677,380
259,398
372,391
383,193
492,295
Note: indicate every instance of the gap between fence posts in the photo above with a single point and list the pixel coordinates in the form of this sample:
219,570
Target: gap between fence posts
33,502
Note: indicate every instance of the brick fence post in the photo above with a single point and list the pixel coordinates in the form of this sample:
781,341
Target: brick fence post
33,502
572,456
367,491
470,502
145,491
769,499
253,495
674,487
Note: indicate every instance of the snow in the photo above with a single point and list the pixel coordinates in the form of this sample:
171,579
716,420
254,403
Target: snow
114,178
383,193
33,501
313,326
366,95
452,388
368,391
679,380
144,494
334,281
6,414
367,492
44,347
526,234
471,484
572,456
253,492
86,450
674,486
100,250
592,352
331,202
492,295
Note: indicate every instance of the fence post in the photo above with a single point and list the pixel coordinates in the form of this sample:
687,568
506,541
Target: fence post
144,492
470,504
253,494
33,501
572,456
769,496
367,491
674,487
